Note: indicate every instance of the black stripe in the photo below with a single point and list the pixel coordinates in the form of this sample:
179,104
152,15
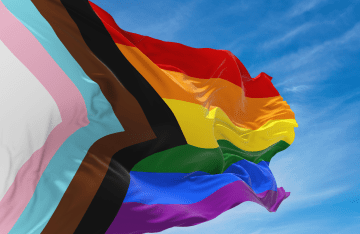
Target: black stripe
110,195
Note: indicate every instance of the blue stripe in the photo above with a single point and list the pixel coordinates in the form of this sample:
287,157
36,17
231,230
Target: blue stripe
187,188
258,176
63,166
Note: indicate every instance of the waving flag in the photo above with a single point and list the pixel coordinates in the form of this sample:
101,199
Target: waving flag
107,131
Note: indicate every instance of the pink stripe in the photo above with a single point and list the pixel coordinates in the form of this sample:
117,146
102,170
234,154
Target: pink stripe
68,99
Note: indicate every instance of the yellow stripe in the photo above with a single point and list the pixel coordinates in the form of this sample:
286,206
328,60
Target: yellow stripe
202,128
244,112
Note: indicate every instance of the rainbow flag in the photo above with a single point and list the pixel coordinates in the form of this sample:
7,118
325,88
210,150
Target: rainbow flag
107,131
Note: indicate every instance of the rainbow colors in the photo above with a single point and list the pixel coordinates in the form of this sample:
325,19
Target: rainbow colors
108,131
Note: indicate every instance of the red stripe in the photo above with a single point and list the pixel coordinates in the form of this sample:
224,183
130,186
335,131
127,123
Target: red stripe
203,63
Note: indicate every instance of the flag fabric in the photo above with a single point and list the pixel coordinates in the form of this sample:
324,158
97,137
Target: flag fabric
107,131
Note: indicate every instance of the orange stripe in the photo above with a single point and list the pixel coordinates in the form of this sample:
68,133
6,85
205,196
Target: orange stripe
245,112
187,60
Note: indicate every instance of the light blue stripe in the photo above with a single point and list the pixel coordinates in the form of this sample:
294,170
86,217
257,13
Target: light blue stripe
188,188
63,166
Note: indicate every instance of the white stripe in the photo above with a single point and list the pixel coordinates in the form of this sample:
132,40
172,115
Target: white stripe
28,114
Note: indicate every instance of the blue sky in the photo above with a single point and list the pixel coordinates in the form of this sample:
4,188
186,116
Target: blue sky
312,51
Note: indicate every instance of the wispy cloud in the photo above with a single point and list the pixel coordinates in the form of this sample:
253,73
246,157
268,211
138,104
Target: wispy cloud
349,229
226,9
317,225
302,7
283,28
300,227
285,39
164,27
233,46
320,151
257,232
167,29
236,7
312,64
297,89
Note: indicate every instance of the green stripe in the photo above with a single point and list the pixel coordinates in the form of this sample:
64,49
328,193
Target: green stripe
183,159
188,158
233,154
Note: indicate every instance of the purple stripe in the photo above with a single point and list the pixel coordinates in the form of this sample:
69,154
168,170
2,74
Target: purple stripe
136,217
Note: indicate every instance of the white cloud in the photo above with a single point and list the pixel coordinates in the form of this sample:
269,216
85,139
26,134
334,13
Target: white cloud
164,27
236,7
257,232
302,7
283,40
298,88
320,151
349,229
312,64
319,225
300,227
302,199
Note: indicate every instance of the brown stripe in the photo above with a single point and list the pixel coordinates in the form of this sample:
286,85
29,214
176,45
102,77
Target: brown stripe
92,170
